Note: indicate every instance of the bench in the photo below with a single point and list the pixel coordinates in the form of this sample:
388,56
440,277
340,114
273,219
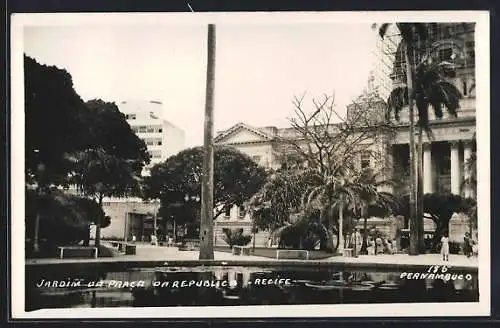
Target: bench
348,252
292,254
242,250
121,246
130,249
73,252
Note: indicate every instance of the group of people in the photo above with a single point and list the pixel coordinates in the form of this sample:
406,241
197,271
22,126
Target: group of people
470,245
378,246
374,246
154,240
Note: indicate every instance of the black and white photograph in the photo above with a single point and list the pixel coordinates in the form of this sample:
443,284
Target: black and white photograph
242,165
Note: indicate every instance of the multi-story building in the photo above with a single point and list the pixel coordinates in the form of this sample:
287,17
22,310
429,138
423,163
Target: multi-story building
444,156
163,139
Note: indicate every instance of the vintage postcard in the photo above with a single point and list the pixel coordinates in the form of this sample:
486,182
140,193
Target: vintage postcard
242,165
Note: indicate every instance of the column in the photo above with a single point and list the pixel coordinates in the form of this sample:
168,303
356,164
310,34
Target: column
455,168
428,174
467,154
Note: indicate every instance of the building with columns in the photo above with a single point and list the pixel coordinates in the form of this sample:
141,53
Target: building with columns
444,155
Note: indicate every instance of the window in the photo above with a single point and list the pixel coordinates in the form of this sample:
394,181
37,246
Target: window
160,130
365,159
241,211
159,143
155,154
142,129
150,130
130,116
227,213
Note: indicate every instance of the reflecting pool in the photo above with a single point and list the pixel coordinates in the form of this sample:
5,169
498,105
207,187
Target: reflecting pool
225,285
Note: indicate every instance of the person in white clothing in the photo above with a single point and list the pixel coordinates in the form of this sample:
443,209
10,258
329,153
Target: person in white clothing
445,247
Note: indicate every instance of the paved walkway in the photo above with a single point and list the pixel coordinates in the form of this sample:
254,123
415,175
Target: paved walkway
149,253
405,259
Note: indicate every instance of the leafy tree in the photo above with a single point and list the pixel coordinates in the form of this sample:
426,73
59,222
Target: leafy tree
321,165
279,198
236,178
235,237
440,208
305,233
55,122
111,132
112,168
66,218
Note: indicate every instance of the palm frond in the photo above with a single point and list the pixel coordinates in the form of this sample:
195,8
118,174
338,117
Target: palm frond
450,96
397,99
382,30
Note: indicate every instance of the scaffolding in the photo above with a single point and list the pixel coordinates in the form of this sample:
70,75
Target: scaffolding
459,50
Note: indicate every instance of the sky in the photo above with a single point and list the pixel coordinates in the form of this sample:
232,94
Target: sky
259,67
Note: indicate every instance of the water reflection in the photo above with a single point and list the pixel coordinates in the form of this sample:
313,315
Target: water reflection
201,286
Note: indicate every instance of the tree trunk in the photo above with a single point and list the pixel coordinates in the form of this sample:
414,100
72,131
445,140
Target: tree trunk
97,241
36,241
365,234
340,248
420,193
86,239
206,225
413,218
36,245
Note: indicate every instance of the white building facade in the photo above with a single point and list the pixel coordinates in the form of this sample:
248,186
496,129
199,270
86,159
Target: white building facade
444,156
162,138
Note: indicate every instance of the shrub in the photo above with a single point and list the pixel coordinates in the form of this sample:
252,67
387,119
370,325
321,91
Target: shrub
236,237
455,247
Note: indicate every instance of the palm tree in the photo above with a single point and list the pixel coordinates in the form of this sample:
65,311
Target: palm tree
206,225
427,85
408,32
432,89
338,195
375,202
